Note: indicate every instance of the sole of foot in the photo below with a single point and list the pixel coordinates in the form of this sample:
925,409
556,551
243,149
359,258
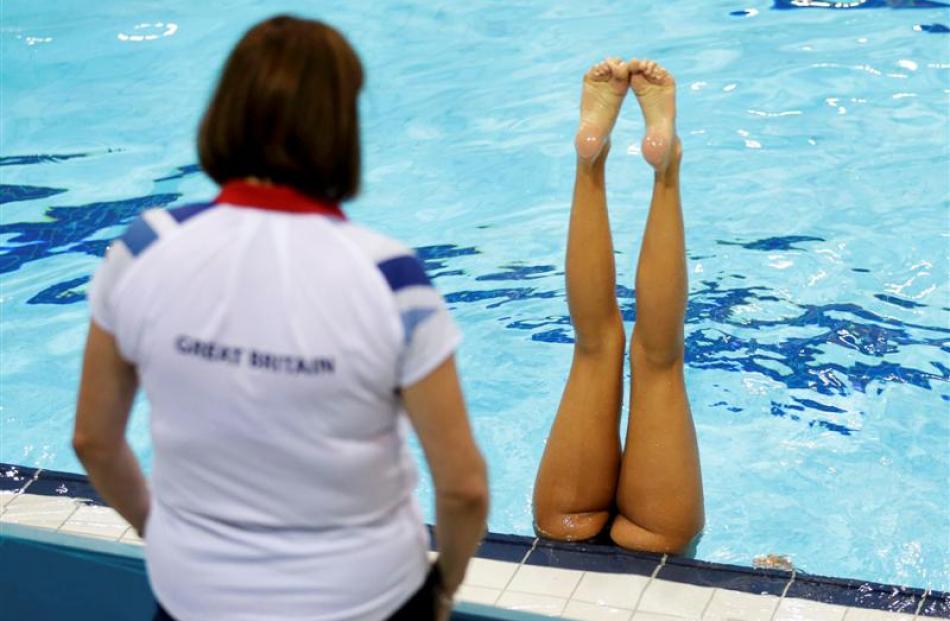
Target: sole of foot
605,86
655,90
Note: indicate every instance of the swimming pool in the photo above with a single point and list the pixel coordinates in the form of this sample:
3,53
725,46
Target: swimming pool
815,195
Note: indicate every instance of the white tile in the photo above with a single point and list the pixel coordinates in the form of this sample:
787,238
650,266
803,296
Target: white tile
40,511
652,616
130,536
617,590
793,609
580,611
101,522
5,497
545,581
863,614
477,595
529,602
739,606
673,598
483,572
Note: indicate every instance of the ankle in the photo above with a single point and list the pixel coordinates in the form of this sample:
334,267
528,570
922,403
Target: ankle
592,168
669,171
592,161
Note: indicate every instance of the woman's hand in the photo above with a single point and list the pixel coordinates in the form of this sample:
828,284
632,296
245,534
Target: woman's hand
140,527
444,600
106,392
437,410
443,610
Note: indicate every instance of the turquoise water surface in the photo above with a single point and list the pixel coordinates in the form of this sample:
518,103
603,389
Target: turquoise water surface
815,193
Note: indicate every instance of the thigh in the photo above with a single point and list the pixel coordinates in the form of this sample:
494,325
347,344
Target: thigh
577,479
659,494
659,446
593,392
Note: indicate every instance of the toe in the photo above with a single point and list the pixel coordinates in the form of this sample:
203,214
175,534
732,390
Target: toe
663,76
599,71
619,69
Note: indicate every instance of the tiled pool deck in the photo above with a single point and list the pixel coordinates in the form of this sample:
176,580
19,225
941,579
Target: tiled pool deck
574,581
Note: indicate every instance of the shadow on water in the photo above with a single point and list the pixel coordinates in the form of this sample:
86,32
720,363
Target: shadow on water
69,229
26,160
14,193
796,351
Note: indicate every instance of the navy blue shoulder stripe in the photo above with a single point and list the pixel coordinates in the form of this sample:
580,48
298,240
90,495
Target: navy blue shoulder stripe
180,214
140,233
138,236
404,271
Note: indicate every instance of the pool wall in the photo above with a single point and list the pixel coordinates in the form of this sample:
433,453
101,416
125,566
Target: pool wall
59,542
45,573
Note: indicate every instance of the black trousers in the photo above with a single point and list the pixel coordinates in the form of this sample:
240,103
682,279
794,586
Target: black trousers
422,606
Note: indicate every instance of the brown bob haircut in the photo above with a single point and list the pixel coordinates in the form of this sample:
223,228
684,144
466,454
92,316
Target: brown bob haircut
285,111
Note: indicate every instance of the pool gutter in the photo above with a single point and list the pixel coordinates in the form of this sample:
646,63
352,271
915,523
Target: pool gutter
510,567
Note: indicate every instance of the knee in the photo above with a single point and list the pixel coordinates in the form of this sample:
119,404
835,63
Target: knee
570,526
610,341
643,355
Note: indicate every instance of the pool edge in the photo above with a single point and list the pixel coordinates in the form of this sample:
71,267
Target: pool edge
531,551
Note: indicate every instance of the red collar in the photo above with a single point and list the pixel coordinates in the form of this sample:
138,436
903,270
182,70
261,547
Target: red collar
274,198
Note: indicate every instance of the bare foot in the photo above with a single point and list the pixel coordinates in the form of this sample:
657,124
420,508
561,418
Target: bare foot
605,86
656,91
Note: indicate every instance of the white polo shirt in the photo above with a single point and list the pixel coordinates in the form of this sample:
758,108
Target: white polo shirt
271,337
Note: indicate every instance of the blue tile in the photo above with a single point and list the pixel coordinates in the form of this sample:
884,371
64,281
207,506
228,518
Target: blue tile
598,556
494,546
936,605
510,548
819,591
747,579
889,598
67,484
14,478
856,593
593,557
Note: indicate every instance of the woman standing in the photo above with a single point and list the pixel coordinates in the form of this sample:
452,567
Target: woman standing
278,345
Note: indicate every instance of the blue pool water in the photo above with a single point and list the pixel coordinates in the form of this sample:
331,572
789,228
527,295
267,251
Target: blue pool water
815,189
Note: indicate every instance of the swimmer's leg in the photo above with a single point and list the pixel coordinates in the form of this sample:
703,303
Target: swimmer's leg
576,483
660,493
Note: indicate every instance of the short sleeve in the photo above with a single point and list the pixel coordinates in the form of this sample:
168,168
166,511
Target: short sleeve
117,260
430,335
